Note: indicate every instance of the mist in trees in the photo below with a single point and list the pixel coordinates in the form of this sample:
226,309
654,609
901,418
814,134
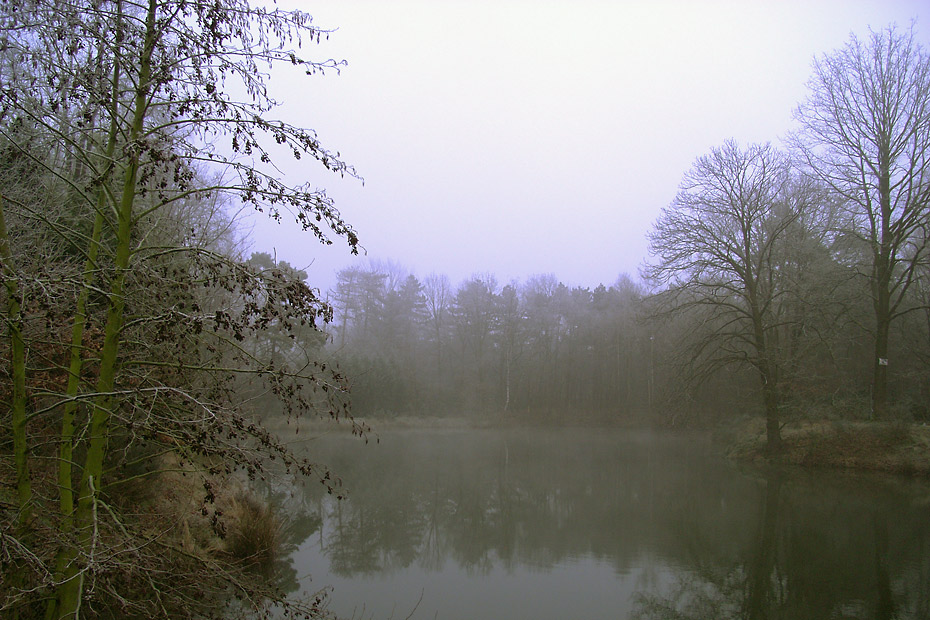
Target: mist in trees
685,354
536,348
778,282
141,338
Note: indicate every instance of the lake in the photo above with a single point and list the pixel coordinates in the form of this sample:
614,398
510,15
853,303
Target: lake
590,524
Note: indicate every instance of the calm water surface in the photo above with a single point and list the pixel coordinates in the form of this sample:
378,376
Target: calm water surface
602,524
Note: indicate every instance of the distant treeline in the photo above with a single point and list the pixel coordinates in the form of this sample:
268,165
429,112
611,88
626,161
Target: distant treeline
412,347
540,350
795,281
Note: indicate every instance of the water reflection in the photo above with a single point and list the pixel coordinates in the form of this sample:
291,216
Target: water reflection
678,530
824,548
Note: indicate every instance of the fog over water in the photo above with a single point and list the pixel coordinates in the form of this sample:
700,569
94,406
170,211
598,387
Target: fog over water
489,413
603,524
522,138
519,138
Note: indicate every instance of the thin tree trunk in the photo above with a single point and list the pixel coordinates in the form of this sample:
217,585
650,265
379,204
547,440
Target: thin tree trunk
507,385
18,417
66,492
71,589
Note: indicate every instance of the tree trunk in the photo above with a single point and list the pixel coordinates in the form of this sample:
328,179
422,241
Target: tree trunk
65,490
773,443
68,600
18,417
882,304
882,291
880,369
770,395
507,385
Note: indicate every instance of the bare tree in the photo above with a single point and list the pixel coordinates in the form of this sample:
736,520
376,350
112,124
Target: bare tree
130,99
715,250
866,134
437,291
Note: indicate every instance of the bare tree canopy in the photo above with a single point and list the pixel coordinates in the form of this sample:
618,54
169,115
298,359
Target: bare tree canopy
865,132
716,249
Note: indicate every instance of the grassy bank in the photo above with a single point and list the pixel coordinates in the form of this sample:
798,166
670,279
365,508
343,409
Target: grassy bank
894,447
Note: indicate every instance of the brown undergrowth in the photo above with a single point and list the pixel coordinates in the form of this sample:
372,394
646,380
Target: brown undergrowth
207,514
177,543
890,447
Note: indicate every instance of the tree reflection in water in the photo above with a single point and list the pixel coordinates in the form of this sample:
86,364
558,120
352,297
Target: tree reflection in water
696,537
819,553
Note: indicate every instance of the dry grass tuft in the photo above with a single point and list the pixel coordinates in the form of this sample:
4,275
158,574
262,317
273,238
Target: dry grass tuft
254,533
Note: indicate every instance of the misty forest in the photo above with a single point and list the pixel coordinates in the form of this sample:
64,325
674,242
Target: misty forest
193,429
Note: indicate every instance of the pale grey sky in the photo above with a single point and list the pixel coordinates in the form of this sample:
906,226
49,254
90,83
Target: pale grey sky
525,137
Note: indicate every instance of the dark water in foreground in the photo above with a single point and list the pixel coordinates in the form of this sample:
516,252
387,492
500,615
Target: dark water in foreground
603,524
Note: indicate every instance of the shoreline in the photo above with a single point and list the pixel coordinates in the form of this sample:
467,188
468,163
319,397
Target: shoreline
884,447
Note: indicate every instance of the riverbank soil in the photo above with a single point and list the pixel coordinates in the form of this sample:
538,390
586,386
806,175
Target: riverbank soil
891,447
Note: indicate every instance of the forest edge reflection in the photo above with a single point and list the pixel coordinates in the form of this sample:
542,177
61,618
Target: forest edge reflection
768,544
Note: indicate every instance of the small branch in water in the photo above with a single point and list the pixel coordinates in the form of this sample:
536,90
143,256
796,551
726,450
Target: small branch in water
412,611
